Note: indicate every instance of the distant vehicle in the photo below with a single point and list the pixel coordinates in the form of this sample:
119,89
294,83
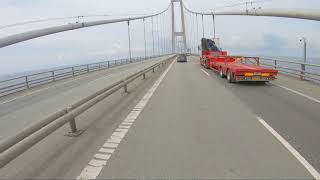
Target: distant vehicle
182,58
235,68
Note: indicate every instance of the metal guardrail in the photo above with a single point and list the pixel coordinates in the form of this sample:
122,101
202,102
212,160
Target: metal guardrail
21,83
14,146
305,71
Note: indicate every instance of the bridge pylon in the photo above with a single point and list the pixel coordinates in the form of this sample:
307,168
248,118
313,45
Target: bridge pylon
182,33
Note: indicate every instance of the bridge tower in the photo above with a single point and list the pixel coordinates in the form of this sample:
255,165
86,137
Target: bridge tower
182,33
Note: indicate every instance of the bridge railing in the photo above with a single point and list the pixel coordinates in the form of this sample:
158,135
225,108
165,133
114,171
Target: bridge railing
21,83
305,71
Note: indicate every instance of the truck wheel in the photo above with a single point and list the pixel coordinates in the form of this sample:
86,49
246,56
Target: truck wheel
221,73
206,64
229,76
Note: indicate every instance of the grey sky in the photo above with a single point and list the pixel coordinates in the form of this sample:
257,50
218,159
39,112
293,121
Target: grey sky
239,35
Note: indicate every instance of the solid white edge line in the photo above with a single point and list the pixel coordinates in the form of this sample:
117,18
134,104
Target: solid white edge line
205,72
95,165
299,93
291,149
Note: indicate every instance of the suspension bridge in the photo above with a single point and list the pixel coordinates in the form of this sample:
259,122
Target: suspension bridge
150,117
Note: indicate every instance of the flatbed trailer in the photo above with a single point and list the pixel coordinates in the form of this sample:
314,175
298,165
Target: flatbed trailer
234,68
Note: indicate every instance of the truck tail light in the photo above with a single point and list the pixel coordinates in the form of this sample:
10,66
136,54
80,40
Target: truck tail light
265,74
248,74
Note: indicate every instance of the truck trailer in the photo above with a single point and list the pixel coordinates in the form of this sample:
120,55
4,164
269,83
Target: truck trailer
234,68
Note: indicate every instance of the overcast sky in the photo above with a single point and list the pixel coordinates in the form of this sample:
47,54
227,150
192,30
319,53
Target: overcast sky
239,35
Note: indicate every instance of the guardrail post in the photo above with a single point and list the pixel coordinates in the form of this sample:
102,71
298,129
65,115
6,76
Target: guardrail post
74,131
144,75
275,64
73,125
87,67
53,76
303,69
108,64
27,83
153,70
72,71
125,88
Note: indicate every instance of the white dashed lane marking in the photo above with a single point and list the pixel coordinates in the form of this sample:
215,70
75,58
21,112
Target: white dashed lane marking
298,93
291,149
95,166
205,72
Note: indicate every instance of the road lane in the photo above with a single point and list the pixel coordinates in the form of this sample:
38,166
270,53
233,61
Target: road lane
16,115
194,128
294,117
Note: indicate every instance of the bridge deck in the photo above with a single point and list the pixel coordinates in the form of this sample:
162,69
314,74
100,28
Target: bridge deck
195,125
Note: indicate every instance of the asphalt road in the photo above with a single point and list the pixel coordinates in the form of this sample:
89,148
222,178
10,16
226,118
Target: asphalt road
295,117
197,127
192,125
23,109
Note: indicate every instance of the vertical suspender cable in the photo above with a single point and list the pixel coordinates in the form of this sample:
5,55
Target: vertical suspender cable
197,31
190,24
161,34
129,41
191,32
144,37
158,35
202,26
165,34
152,36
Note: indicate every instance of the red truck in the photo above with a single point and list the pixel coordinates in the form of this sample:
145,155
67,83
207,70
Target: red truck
235,68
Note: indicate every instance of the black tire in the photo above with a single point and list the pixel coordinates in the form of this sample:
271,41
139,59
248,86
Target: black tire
206,62
221,73
229,76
